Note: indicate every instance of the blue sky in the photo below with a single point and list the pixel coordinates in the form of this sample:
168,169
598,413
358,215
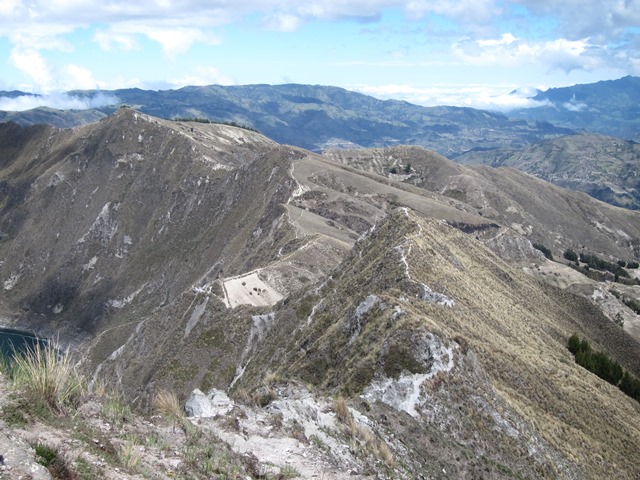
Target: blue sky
430,52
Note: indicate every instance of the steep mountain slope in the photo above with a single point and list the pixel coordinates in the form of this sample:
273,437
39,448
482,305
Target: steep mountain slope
103,224
606,168
609,107
443,343
130,209
318,117
422,318
185,255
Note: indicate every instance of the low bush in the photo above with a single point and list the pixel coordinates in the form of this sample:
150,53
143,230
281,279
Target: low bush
218,122
632,304
56,465
362,435
629,302
545,251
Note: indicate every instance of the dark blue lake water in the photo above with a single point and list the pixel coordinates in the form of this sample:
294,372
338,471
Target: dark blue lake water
16,341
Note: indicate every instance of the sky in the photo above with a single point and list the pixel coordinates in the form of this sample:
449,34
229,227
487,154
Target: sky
480,53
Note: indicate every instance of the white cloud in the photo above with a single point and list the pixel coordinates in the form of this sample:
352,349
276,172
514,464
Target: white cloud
466,11
61,101
178,40
574,106
579,19
174,40
486,97
203,76
80,78
31,63
109,40
46,79
579,35
562,54
505,39
8,7
283,22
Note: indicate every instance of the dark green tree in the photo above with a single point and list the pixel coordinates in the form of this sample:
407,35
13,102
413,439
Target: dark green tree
573,344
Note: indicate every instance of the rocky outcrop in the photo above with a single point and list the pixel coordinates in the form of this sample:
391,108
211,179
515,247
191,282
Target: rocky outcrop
214,403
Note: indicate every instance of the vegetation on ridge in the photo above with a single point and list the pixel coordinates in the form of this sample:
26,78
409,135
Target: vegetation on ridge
603,366
217,122
545,251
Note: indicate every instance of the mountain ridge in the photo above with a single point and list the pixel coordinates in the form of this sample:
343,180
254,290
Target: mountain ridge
183,255
603,167
316,117
609,107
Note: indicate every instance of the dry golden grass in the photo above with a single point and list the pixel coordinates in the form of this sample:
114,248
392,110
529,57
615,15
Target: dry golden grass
166,403
342,410
519,328
49,374
515,330
363,435
241,395
129,453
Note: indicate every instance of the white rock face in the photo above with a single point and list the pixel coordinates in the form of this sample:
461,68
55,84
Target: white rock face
213,404
405,393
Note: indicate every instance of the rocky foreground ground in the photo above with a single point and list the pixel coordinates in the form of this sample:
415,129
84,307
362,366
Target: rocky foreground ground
297,435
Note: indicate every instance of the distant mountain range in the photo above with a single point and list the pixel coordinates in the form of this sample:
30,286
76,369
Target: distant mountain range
320,117
610,107
313,117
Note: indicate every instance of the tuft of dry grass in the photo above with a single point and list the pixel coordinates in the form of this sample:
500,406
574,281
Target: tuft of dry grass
49,374
166,403
241,395
130,453
386,455
116,409
362,435
342,410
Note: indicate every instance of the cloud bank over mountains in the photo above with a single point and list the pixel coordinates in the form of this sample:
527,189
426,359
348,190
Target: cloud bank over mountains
60,101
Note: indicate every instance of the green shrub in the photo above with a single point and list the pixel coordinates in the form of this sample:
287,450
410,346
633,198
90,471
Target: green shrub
573,344
629,302
218,122
56,465
633,265
630,386
599,264
545,251
570,255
